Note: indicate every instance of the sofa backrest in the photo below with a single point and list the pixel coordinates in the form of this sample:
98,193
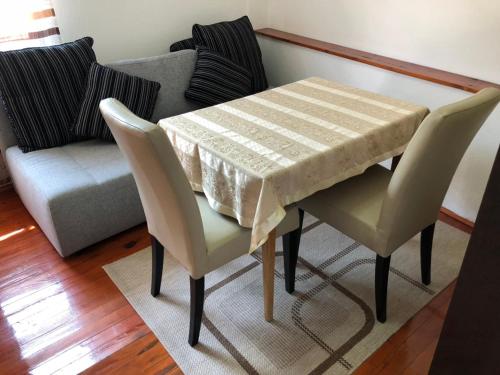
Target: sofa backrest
172,70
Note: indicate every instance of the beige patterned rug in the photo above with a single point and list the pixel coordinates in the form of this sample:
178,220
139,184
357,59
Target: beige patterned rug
327,326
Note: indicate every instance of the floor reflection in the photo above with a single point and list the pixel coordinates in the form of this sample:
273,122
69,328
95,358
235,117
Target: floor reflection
16,232
72,360
39,319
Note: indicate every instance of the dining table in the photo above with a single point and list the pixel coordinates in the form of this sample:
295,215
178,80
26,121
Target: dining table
254,156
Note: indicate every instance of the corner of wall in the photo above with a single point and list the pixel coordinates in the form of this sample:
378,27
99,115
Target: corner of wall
258,11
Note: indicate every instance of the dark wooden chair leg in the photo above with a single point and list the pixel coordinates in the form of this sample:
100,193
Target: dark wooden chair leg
197,298
426,238
382,266
291,244
157,266
395,162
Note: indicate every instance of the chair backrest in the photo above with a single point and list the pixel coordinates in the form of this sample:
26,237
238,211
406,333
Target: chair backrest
172,213
419,184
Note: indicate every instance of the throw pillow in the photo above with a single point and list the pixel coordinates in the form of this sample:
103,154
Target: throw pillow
42,88
217,79
183,44
235,40
138,94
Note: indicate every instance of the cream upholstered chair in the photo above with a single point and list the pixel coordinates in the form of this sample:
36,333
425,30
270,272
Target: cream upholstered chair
383,209
177,219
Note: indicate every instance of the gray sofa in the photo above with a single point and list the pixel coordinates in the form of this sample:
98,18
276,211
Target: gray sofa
84,192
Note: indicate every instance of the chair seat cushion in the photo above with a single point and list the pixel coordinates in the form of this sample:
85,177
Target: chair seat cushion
79,194
225,238
353,206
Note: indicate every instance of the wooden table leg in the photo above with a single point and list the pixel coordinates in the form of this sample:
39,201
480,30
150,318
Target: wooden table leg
268,260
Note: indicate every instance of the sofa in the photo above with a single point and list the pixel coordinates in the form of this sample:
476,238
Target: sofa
84,192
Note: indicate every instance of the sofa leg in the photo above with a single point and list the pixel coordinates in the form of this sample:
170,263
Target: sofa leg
291,244
197,288
382,266
426,238
157,252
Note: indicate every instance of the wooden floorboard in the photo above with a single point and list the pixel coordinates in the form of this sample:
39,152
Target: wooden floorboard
67,315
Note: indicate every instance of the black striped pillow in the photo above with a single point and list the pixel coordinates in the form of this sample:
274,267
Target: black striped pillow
138,94
42,89
183,44
235,40
217,79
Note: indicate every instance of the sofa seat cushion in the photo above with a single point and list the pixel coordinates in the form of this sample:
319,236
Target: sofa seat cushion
79,194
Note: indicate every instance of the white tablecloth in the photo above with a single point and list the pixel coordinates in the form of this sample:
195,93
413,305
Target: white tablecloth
254,156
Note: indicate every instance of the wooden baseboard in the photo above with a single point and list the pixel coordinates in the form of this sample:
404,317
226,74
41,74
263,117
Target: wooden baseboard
457,217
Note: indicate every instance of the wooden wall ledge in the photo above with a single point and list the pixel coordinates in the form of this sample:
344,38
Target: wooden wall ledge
414,70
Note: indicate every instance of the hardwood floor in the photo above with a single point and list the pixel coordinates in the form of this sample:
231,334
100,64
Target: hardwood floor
66,315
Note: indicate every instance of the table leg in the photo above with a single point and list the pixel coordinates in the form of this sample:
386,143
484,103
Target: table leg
268,260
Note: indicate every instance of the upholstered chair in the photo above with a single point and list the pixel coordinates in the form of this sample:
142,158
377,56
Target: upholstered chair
177,219
383,209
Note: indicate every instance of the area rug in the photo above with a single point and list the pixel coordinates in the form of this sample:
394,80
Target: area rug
326,326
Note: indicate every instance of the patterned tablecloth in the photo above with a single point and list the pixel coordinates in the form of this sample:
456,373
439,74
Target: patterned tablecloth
254,156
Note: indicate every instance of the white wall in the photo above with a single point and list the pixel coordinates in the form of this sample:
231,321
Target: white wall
460,36
455,35
125,29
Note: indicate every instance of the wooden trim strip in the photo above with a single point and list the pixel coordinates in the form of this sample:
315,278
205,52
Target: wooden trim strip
46,13
44,33
403,67
31,35
456,217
